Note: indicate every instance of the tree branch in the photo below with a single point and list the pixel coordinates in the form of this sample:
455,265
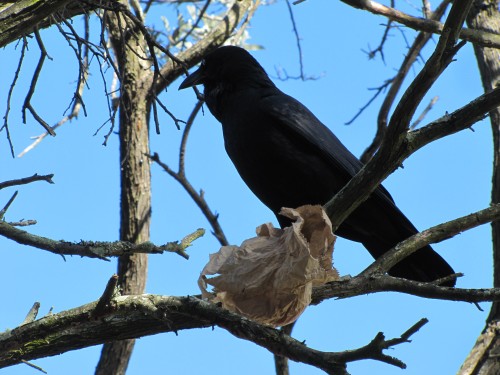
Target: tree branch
84,46
126,317
97,249
373,278
396,83
27,180
482,38
135,316
432,235
198,198
462,118
391,154
218,35
23,16
361,285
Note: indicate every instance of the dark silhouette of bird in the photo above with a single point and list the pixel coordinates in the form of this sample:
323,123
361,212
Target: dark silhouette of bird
288,158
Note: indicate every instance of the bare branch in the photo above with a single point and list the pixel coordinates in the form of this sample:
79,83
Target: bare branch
432,235
34,366
375,348
380,49
198,198
7,205
9,96
175,119
22,16
356,286
389,155
134,316
462,118
96,249
397,82
424,113
378,91
482,38
185,135
22,223
180,176
218,35
373,278
280,362
297,40
27,101
27,180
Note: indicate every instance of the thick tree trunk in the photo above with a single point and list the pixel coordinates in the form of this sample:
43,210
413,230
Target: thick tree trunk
129,46
483,359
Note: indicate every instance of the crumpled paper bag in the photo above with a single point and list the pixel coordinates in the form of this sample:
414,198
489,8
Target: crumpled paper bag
269,278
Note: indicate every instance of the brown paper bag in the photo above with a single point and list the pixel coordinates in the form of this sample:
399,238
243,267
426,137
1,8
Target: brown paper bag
269,278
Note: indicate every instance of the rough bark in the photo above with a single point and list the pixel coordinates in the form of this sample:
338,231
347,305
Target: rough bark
483,359
20,18
137,316
135,206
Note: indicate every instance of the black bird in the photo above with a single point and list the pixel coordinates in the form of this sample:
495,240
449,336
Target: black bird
288,158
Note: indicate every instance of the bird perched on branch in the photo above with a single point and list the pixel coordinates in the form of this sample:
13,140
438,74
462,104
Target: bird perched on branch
288,158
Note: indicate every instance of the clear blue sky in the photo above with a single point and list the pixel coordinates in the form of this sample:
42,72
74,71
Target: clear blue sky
445,180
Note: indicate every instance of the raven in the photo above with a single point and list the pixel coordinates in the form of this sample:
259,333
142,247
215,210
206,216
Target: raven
288,158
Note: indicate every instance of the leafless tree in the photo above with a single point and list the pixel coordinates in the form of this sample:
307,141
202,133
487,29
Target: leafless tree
144,62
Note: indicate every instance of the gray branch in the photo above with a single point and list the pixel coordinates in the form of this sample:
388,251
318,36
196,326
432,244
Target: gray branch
132,316
96,249
373,279
394,148
478,37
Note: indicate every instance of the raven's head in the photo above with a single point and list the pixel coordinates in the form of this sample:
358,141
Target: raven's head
226,69
223,73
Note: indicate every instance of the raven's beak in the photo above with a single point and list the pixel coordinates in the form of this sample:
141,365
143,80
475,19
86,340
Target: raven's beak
193,79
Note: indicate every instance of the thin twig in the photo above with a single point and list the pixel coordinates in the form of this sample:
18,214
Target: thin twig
297,39
380,49
176,120
198,198
378,91
9,96
185,135
485,39
7,205
424,112
396,83
81,52
180,176
34,366
195,24
27,101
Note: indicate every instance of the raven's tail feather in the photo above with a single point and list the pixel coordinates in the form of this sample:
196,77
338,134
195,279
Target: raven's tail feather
424,265
380,226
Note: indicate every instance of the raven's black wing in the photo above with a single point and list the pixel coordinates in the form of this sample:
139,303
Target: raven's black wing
298,119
